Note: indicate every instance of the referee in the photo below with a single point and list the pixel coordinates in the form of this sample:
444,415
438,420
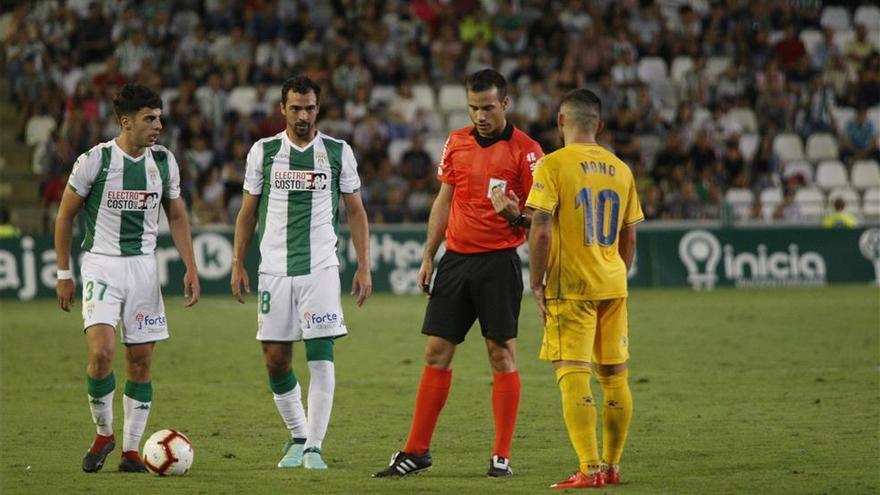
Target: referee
479,276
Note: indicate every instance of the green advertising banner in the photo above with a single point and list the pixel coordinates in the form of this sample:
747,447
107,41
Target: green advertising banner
665,257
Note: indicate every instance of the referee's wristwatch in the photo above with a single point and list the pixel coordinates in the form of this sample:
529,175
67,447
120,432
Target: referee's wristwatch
519,221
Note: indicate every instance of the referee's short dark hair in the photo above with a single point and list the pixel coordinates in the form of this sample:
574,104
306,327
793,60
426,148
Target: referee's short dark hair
133,97
585,108
485,79
302,85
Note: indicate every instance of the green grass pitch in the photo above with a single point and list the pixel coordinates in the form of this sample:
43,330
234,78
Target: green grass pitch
752,391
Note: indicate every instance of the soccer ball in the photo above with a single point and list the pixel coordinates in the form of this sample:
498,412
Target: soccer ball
168,452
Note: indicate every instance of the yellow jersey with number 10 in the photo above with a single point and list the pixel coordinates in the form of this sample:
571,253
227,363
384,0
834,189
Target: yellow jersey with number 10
592,196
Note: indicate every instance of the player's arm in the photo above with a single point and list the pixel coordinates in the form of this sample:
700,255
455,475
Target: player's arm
626,246
71,203
244,231
539,253
178,223
360,237
437,222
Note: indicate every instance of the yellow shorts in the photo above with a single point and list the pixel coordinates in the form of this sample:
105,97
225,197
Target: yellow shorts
588,331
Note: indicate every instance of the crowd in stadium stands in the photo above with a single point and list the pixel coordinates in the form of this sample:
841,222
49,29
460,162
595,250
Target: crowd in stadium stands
769,107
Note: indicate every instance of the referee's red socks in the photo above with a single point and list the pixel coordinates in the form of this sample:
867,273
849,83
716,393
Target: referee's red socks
505,402
433,390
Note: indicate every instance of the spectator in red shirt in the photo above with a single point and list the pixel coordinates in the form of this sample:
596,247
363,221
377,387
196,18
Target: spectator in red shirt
790,49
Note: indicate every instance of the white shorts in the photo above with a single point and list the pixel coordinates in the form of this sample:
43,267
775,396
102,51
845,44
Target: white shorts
300,308
125,287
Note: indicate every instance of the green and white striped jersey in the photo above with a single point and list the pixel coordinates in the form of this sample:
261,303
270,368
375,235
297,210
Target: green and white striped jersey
122,197
299,198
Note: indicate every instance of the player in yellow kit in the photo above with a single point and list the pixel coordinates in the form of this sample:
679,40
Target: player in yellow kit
581,246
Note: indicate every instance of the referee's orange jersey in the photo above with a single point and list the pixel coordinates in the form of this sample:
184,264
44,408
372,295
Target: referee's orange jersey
473,165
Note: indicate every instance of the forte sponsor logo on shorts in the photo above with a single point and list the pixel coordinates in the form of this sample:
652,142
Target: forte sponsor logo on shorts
300,180
150,322
132,200
318,321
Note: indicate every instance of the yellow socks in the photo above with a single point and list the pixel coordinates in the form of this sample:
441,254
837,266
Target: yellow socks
616,415
579,411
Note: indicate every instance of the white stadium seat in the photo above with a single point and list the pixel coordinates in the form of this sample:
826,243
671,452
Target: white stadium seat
680,66
835,17
748,145
701,116
396,149
715,66
810,38
745,117
771,197
424,96
741,199
871,203
868,16
822,146
434,146
865,174
458,119
842,38
38,129
652,69
242,99
811,202
382,94
842,116
831,174
799,167
788,147
849,195
168,96
874,114
452,97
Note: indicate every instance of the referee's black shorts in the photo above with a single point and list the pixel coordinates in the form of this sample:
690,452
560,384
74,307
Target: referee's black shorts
485,286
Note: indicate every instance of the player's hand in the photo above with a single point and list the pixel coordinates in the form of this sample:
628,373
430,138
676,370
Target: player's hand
65,290
424,277
538,292
192,290
362,285
506,206
238,279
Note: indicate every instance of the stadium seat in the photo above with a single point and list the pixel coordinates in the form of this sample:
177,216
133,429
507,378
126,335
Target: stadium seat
242,99
273,93
874,37
811,202
382,94
865,174
701,116
842,38
424,96
649,145
745,117
835,17
452,97
664,91
741,199
874,114
396,149
822,146
831,174
715,66
775,36
849,195
810,38
38,129
748,145
788,147
842,116
771,197
93,69
680,66
798,167
652,69
434,146
867,15
458,119
871,203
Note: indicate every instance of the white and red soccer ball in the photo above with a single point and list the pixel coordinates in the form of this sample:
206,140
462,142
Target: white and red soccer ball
168,452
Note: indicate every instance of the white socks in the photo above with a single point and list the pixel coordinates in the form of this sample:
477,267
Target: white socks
322,383
136,415
102,413
290,407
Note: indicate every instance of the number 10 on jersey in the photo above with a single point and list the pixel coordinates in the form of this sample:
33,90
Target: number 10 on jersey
594,217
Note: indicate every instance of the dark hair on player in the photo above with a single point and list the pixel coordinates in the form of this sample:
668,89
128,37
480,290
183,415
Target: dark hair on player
133,97
302,85
584,106
485,79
